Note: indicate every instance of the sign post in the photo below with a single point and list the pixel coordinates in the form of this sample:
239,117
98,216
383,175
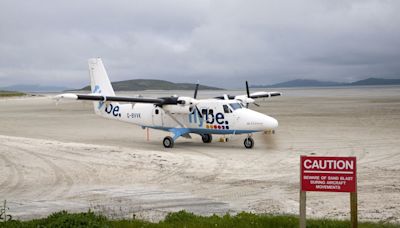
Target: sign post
302,209
328,174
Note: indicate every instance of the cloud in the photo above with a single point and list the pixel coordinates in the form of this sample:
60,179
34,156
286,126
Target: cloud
219,43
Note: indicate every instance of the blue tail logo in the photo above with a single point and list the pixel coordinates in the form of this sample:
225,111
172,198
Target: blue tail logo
98,90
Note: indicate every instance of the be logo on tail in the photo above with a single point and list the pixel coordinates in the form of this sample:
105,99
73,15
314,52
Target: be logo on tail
98,90
114,110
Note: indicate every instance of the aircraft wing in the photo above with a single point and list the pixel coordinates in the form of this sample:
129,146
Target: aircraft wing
252,95
97,97
264,94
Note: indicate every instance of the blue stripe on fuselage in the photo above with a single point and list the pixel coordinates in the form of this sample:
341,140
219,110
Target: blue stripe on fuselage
206,131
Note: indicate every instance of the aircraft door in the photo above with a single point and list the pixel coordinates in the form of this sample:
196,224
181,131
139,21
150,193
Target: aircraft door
158,117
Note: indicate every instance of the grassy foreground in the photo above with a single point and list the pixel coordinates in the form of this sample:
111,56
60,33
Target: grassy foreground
183,219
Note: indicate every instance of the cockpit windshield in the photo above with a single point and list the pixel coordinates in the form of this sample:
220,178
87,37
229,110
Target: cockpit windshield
235,106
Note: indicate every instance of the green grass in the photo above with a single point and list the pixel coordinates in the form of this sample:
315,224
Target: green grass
11,94
184,219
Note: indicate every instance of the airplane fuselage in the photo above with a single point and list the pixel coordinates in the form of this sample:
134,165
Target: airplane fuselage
211,116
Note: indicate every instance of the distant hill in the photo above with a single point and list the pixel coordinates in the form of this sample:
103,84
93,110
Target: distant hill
377,81
305,83
152,84
316,83
34,88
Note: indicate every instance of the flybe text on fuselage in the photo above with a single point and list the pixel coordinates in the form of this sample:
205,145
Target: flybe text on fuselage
212,121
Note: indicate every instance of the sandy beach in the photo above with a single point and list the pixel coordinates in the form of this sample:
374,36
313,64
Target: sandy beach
63,157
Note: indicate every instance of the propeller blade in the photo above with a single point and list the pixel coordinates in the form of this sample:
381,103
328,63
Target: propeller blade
201,115
256,104
195,91
247,89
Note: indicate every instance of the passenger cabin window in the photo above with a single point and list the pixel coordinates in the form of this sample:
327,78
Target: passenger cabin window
204,112
226,109
235,106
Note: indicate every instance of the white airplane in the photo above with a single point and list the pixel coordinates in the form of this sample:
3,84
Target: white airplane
181,116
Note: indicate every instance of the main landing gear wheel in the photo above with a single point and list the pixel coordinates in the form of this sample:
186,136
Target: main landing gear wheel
249,143
207,138
168,142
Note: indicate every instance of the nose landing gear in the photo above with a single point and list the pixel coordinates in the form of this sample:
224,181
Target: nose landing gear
249,142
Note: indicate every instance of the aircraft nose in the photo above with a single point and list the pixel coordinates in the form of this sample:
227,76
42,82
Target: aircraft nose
270,123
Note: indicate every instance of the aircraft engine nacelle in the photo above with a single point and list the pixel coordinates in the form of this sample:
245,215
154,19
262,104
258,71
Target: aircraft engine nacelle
244,99
184,105
178,109
187,101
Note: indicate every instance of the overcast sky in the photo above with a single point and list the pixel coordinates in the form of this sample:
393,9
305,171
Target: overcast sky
218,42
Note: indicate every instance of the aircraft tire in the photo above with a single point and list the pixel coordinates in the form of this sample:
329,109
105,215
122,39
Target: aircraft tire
168,142
207,138
249,143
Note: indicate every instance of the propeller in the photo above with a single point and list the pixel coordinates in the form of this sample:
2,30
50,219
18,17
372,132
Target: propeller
198,111
247,90
248,95
195,91
176,104
194,97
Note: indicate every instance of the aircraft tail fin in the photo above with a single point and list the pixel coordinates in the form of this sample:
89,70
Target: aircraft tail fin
99,81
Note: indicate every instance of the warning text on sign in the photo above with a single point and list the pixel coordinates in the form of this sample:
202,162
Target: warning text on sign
333,174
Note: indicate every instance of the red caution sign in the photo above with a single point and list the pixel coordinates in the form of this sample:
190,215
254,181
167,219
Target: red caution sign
328,174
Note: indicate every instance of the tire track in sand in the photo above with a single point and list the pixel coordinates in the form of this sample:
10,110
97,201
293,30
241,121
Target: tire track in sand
175,171
90,170
62,181
14,181
220,165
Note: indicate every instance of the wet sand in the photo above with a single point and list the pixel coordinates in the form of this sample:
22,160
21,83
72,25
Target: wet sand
56,157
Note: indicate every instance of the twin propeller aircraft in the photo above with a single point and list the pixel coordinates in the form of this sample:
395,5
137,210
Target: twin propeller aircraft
223,115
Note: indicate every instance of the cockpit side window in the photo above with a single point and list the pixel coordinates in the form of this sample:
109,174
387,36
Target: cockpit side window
226,109
235,106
